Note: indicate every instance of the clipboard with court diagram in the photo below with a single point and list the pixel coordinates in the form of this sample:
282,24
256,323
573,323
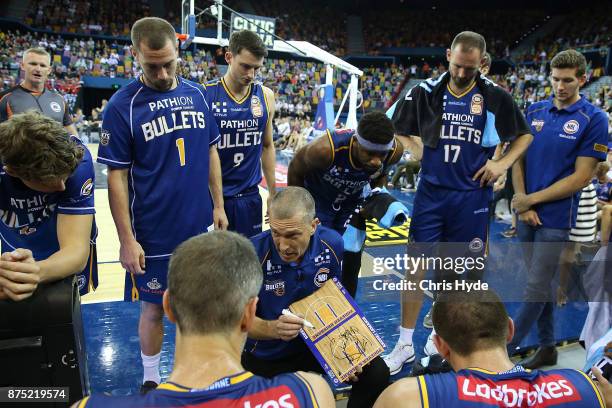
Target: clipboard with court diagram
342,339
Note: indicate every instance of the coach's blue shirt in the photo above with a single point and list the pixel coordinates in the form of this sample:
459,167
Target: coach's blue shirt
163,138
29,217
477,388
242,124
560,137
286,283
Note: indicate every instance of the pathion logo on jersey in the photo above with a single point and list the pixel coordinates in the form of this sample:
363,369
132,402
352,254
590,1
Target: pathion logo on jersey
546,391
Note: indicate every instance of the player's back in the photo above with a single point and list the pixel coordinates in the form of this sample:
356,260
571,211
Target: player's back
243,390
242,123
476,388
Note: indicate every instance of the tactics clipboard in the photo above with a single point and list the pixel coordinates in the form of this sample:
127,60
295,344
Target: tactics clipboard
342,339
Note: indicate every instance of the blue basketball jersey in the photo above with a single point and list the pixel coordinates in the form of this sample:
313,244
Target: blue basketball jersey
285,283
163,138
239,391
340,186
242,124
476,388
29,217
464,147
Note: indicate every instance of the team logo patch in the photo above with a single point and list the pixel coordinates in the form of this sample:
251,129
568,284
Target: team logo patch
600,148
537,124
256,108
87,187
321,277
55,107
278,287
476,104
476,245
81,281
570,127
27,230
104,137
154,284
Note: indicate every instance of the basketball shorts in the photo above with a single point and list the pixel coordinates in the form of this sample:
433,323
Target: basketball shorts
244,212
149,287
336,220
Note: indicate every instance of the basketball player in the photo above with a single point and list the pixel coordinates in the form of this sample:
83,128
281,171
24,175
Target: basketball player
31,93
335,168
455,123
472,329
244,110
339,169
158,139
47,205
297,257
213,283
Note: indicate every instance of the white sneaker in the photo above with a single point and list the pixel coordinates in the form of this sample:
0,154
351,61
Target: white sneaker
402,353
430,348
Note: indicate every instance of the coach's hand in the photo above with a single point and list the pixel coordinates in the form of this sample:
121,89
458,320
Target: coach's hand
19,274
220,219
521,203
490,172
604,386
288,327
355,376
132,257
530,217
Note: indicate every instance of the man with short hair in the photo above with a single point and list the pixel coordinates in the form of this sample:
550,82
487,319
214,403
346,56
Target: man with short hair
213,281
298,256
472,329
454,123
244,110
158,139
574,132
31,93
47,224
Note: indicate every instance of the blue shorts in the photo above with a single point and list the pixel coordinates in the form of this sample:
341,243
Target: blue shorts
149,287
336,220
88,278
243,212
443,215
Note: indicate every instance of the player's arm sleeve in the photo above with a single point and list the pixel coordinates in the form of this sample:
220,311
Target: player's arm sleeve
115,148
595,142
510,122
405,115
78,199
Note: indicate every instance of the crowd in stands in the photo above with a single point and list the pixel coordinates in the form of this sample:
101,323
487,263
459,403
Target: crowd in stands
389,28
296,83
95,17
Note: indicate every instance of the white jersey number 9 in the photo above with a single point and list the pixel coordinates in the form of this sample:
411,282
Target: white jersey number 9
238,158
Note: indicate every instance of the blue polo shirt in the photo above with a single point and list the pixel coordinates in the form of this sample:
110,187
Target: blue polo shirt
561,136
286,283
